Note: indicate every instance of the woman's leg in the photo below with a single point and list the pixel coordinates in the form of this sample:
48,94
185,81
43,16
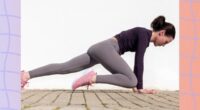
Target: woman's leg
76,64
107,54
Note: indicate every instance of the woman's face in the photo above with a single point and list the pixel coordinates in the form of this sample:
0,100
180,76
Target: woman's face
161,39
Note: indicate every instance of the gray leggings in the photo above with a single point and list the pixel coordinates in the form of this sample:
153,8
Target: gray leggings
105,53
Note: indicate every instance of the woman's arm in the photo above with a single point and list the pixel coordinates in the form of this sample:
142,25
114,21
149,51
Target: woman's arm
139,59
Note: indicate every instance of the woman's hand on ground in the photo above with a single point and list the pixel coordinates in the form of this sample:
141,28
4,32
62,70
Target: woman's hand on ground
144,91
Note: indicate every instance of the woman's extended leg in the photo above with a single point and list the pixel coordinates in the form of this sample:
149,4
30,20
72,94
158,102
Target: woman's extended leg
76,64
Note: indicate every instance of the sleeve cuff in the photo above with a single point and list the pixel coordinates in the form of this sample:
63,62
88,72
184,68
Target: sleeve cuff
139,86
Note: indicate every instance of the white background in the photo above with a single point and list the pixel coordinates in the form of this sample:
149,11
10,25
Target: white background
54,31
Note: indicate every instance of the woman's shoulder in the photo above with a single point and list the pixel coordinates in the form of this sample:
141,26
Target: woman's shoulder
138,29
141,28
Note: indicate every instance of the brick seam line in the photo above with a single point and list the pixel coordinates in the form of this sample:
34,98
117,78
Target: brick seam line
86,106
117,101
100,100
129,100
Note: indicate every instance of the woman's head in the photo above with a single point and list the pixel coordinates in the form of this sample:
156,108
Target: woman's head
163,32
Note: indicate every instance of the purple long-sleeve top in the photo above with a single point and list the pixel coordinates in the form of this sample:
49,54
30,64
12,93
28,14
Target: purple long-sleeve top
135,40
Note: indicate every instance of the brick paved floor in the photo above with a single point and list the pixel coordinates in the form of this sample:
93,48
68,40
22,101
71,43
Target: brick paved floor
98,100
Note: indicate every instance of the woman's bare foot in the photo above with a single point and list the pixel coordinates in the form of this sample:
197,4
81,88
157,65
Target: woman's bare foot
25,76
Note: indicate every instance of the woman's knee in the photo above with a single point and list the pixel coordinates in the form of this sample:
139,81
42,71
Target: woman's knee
132,82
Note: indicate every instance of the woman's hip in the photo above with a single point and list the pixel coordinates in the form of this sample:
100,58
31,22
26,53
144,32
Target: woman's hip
105,46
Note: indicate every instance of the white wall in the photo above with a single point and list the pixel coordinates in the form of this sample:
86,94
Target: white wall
55,31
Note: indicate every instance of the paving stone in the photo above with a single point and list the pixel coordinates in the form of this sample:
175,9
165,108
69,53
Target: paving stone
77,98
116,107
74,107
171,96
49,99
98,100
27,94
63,99
163,99
122,101
34,99
106,100
154,102
99,108
134,100
92,100
42,108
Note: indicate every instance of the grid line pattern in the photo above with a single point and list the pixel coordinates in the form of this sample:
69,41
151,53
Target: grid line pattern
189,54
10,55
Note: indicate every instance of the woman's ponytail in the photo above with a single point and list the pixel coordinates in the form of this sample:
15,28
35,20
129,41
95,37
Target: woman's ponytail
158,23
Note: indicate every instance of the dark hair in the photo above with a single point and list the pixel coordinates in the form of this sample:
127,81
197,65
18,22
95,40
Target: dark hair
159,24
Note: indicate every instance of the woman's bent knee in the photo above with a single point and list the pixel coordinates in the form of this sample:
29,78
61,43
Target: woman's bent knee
132,82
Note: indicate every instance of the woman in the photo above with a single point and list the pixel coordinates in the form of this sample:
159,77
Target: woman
108,53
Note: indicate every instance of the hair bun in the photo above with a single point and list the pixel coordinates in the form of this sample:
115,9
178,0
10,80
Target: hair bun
158,23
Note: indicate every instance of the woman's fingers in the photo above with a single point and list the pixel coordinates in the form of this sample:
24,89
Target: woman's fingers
155,91
152,91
